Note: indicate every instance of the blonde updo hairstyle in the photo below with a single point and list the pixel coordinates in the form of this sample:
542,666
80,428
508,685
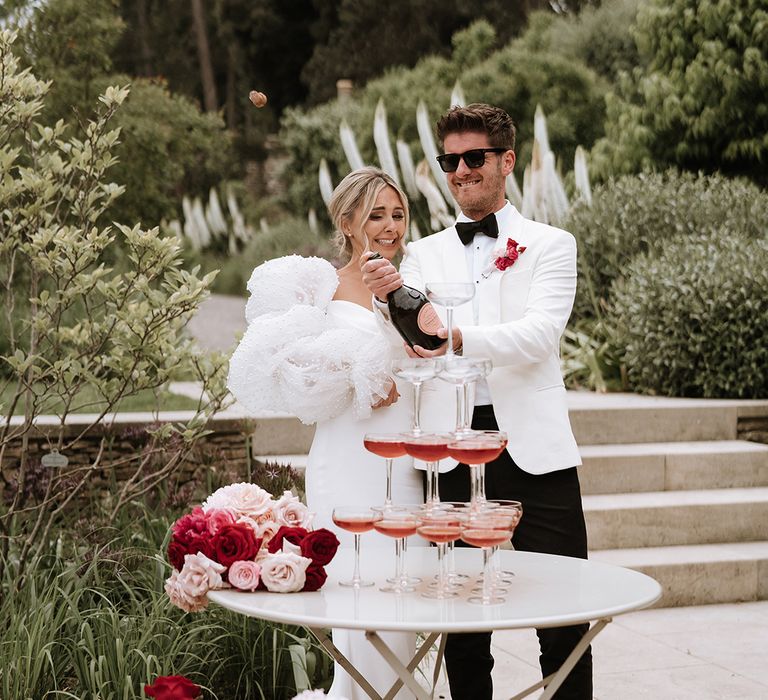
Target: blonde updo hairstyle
357,192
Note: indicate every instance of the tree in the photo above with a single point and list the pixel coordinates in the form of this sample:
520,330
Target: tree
360,39
71,320
169,148
700,102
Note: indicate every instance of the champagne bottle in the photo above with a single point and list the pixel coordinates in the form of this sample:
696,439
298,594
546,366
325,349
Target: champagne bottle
413,316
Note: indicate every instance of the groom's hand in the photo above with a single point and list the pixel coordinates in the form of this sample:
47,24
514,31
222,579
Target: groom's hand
380,276
418,351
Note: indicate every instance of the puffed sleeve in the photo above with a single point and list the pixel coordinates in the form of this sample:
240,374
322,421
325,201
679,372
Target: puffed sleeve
291,361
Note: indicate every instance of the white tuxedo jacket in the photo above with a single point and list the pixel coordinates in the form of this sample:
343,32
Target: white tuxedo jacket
523,311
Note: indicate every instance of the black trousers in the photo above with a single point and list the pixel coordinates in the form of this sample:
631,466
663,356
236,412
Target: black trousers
552,523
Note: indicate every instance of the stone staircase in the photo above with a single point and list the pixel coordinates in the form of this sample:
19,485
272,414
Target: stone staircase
670,488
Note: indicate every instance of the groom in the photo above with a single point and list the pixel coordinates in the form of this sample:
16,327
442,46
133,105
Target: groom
525,281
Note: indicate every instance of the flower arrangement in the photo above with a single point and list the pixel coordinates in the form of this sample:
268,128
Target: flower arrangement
241,537
505,257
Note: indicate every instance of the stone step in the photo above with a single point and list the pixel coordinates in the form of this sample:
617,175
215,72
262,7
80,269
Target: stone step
672,466
597,419
664,518
729,572
657,466
630,418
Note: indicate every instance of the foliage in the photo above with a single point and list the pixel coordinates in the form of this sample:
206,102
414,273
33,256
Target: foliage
85,323
168,147
404,33
591,358
700,99
91,620
511,77
290,235
631,215
693,317
599,36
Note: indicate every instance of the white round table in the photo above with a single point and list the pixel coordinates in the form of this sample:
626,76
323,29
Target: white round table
546,591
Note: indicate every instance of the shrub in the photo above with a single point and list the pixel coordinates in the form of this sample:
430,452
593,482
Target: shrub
699,101
638,214
693,318
291,235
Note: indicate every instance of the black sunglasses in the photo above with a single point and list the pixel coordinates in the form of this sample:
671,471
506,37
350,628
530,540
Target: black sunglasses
475,158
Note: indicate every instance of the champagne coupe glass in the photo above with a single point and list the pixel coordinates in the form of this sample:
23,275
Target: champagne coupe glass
463,372
355,520
416,370
440,526
449,295
501,575
430,448
486,528
398,522
388,446
476,450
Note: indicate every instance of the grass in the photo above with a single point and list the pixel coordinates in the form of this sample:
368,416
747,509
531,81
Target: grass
92,621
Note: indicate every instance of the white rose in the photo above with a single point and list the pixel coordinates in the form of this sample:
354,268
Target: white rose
290,511
284,572
200,575
180,598
241,499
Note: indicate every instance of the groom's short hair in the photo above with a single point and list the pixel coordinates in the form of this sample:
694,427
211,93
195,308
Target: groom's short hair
481,118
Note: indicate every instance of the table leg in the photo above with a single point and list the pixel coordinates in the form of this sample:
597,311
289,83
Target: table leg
553,681
342,660
404,673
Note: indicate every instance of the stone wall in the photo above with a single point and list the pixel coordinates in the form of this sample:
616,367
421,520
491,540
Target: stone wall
225,451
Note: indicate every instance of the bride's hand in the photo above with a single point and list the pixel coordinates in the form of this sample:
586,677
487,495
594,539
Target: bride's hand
388,400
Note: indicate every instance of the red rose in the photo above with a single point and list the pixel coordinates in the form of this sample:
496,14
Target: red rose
176,552
320,546
315,578
172,688
294,535
235,543
191,526
513,252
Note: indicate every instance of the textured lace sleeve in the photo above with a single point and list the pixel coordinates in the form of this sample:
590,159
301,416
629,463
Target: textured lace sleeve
279,284
291,361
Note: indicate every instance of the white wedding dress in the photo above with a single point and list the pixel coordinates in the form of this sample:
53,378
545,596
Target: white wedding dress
326,362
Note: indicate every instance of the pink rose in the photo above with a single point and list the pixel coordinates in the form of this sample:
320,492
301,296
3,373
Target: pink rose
290,511
218,518
244,575
284,572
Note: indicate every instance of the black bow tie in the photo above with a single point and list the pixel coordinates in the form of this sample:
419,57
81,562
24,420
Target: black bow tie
468,229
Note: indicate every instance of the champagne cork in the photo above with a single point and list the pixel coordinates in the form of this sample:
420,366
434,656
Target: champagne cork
259,99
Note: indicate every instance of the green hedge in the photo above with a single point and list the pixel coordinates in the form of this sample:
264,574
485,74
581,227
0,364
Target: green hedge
693,318
637,214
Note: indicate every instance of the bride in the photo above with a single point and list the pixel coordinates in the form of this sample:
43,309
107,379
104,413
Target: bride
314,349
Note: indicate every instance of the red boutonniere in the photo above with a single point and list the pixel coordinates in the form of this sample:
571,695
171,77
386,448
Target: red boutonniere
505,258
